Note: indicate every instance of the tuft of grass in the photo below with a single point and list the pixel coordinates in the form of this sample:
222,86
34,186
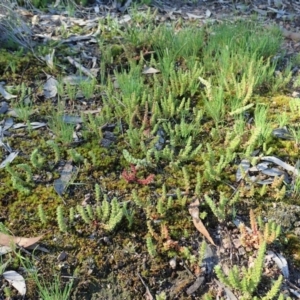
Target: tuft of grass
62,130
54,290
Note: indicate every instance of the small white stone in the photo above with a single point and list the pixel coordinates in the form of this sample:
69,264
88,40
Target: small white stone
173,263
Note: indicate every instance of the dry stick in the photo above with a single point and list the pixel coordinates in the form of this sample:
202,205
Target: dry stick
188,269
80,67
150,297
27,252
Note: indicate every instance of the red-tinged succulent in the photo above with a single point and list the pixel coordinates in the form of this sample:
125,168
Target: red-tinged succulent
130,176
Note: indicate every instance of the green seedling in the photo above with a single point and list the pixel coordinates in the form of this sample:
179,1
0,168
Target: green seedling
75,156
62,130
22,181
151,247
42,214
56,149
88,88
37,159
224,205
246,280
61,219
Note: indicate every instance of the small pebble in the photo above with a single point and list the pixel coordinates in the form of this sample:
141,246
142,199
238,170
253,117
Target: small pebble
62,256
173,263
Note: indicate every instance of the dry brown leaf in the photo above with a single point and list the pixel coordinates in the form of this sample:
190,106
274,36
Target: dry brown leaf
8,240
150,70
201,228
194,212
295,36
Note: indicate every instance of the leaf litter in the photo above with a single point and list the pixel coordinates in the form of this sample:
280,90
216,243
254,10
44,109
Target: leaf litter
194,212
66,175
16,280
8,240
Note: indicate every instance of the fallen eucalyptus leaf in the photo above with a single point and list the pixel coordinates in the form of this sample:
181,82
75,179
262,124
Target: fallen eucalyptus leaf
281,263
280,163
243,168
8,240
5,94
9,159
5,249
150,70
238,222
265,169
16,280
8,123
193,16
259,167
274,172
34,125
194,212
4,107
50,87
125,5
65,176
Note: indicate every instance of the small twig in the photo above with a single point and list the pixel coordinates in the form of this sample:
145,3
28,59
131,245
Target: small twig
188,269
27,252
150,297
80,67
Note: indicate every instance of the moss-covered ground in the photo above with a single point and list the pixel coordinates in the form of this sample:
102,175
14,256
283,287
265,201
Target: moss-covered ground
168,117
